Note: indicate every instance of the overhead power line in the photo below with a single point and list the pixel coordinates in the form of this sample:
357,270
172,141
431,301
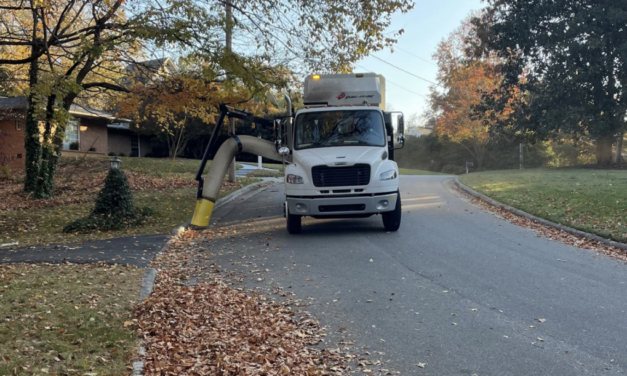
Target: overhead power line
395,84
404,88
403,70
416,56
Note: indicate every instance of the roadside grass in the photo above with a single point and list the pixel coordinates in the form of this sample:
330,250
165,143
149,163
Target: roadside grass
44,225
67,319
409,171
157,167
275,166
265,174
586,199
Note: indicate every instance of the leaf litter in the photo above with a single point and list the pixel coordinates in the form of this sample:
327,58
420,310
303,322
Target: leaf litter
551,232
196,323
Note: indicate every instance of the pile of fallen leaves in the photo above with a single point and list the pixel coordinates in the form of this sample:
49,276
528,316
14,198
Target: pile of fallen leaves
213,329
552,232
83,188
209,328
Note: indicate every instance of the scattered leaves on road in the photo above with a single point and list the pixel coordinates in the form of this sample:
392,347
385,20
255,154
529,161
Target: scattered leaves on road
551,232
204,326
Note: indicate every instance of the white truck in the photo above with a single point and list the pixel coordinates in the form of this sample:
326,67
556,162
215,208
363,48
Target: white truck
341,152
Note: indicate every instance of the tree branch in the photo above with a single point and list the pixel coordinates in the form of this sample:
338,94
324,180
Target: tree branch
106,85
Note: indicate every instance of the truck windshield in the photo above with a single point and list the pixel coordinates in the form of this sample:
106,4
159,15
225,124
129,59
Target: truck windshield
339,128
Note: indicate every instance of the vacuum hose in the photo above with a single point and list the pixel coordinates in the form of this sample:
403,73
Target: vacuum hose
218,169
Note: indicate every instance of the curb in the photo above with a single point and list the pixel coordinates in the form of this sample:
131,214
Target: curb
226,199
148,284
532,217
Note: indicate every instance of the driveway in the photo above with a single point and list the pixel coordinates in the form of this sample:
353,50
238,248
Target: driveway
456,290
132,250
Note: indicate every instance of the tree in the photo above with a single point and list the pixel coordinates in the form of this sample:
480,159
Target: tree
572,55
462,81
182,106
75,45
413,121
70,49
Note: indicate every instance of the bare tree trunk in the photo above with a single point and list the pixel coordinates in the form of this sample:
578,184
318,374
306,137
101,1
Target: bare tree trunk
604,149
618,158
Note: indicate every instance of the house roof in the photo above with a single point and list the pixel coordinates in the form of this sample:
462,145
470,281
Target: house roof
419,131
145,71
75,110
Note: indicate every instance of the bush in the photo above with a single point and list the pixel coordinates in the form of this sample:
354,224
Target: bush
115,199
149,155
92,149
431,153
5,172
453,170
107,223
434,153
74,146
111,154
114,209
121,155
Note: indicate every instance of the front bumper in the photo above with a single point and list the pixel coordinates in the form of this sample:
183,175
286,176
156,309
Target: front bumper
332,206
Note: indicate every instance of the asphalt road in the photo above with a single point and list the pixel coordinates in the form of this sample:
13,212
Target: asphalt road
456,288
132,250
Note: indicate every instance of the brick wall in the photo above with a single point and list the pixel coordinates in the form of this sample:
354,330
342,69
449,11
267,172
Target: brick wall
93,131
12,143
119,142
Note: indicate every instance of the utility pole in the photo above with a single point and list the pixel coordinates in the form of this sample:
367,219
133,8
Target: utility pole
229,48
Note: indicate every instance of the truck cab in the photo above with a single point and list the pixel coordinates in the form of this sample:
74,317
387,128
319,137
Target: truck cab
341,152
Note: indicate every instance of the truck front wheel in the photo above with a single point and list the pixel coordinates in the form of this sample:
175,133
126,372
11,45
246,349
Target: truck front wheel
294,225
392,220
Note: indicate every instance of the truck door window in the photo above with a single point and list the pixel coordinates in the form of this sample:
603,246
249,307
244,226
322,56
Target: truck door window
339,128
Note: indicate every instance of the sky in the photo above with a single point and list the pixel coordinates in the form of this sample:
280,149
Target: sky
424,27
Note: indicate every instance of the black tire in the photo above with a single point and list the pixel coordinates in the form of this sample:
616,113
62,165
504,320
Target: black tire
294,225
392,220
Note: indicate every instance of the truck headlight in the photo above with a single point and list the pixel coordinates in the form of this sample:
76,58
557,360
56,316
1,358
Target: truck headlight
388,175
294,179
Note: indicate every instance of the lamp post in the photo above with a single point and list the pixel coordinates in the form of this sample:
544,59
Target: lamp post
115,163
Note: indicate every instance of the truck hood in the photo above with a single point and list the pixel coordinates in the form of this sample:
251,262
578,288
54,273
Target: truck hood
339,156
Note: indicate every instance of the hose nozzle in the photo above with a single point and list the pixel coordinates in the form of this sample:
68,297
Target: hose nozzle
202,213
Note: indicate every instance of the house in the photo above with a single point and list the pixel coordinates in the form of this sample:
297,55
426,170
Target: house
150,71
91,132
418,131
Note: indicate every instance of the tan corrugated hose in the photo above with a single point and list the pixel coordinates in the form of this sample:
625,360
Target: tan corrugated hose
218,169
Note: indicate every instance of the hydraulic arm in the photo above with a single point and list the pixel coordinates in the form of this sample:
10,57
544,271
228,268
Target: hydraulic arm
209,186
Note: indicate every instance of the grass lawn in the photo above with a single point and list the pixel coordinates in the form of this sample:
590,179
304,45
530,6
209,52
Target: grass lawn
590,200
157,167
32,222
276,166
44,226
409,171
67,319
265,174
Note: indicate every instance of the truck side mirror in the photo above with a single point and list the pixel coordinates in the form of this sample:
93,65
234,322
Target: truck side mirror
401,125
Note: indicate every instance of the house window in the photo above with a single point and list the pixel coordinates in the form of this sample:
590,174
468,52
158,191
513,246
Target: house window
71,136
134,146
